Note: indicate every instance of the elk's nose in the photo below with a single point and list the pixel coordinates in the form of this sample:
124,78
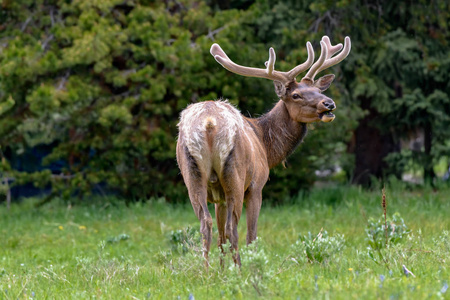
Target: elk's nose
329,104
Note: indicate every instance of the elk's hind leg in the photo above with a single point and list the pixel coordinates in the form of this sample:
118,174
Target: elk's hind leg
196,184
221,218
197,195
234,197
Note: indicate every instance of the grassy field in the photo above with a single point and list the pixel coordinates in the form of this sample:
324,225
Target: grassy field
104,249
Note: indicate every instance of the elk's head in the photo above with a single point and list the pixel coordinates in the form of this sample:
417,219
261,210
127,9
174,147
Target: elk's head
304,100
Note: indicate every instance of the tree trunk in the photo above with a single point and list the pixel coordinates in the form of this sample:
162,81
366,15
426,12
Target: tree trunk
428,171
371,147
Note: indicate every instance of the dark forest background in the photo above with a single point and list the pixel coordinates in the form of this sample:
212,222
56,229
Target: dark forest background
91,90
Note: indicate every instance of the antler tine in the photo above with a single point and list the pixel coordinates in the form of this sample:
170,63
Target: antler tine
217,50
268,73
270,64
332,50
304,66
323,56
331,61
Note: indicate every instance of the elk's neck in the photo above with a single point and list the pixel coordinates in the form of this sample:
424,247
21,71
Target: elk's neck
280,134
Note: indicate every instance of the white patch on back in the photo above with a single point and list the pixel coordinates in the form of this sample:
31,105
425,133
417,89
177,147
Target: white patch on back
227,120
194,138
227,133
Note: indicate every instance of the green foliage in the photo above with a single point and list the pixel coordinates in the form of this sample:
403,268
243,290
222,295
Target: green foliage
3,189
116,239
105,82
255,261
102,83
400,74
430,112
185,239
379,237
46,250
6,105
319,248
376,229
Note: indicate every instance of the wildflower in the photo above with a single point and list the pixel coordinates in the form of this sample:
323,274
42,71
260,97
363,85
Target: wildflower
407,272
381,280
191,297
350,269
60,227
82,227
444,288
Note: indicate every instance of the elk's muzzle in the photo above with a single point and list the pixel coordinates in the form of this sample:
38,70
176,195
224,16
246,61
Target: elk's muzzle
326,107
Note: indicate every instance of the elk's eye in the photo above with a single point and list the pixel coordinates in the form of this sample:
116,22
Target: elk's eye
296,96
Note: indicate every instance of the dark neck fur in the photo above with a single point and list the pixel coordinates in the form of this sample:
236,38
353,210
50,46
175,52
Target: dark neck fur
281,134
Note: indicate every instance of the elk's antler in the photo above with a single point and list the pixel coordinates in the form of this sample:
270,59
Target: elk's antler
269,72
326,59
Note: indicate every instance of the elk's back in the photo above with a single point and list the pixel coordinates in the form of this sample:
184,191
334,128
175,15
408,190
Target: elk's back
208,131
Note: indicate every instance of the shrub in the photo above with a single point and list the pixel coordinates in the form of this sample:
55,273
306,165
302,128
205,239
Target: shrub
376,231
116,239
184,239
379,237
320,248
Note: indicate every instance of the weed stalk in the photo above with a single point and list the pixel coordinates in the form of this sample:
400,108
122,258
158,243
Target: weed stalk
384,205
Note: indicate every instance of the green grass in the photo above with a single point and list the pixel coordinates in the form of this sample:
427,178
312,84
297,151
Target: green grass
104,249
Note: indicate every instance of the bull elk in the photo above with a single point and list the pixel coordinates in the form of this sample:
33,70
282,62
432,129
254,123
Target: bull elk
225,157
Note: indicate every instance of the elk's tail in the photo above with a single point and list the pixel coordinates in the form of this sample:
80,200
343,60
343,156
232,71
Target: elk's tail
210,124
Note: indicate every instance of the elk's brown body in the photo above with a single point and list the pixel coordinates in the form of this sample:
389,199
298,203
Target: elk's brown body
225,157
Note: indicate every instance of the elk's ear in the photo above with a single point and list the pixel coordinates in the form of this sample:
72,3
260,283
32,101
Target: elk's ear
280,89
324,82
